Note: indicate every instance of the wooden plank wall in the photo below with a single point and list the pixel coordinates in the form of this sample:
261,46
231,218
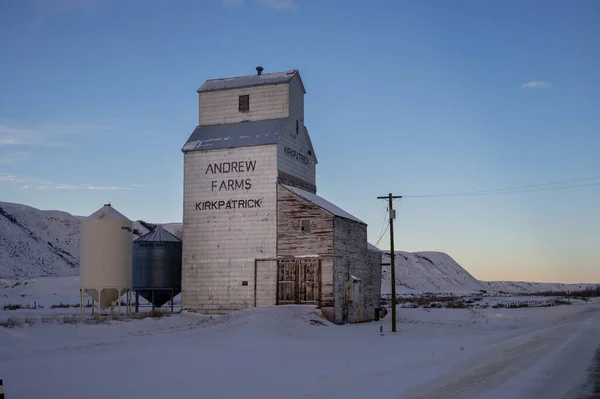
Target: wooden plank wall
291,210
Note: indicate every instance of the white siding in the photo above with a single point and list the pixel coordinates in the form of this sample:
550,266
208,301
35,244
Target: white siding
221,245
222,106
291,161
300,164
296,100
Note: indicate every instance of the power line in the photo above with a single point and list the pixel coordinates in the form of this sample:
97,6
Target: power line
392,213
513,190
384,220
382,234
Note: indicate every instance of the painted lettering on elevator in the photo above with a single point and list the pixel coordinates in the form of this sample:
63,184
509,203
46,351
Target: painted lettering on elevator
296,155
235,183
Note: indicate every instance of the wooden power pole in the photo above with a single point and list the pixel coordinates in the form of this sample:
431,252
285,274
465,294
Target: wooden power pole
392,213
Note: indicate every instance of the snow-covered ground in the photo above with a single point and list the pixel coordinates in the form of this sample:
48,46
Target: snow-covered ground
292,352
44,296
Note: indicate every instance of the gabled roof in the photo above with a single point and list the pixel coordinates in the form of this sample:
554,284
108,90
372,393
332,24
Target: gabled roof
159,234
233,135
250,80
372,247
323,203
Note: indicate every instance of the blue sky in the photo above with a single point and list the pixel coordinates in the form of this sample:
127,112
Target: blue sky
409,97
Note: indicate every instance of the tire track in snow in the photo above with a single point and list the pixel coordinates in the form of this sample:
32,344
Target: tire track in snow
498,366
591,389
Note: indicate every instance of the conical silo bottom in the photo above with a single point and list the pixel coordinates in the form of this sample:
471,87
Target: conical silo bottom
107,296
160,296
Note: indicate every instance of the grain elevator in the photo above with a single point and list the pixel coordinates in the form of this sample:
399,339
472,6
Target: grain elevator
255,233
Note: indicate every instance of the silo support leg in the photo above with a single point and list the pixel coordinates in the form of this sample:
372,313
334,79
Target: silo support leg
129,302
137,302
81,302
172,300
152,300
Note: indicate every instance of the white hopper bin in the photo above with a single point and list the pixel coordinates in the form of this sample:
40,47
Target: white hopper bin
106,256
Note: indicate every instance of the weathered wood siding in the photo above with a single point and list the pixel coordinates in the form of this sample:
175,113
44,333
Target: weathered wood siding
221,245
291,210
266,102
350,243
372,289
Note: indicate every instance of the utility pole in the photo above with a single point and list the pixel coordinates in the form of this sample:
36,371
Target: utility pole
392,213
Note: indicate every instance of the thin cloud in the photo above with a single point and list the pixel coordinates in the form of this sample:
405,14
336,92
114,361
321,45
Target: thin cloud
67,187
11,178
277,4
10,157
109,188
28,183
536,84
274,4
48,135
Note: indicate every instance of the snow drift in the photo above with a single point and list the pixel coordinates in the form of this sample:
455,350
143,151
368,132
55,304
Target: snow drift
36,243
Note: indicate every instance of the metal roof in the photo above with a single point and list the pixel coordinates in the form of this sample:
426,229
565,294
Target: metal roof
107,212
159,234
248,81
372,247
323,203
233,135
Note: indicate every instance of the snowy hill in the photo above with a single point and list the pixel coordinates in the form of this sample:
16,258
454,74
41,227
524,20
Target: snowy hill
35,243
436,272
514,287
428,272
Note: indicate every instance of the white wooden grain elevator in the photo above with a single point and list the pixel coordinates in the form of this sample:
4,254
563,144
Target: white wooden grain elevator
254,231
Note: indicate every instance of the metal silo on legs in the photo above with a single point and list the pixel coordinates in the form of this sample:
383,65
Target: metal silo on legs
157,266
106,256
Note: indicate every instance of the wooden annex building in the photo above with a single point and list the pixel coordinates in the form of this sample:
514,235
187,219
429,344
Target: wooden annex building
255,232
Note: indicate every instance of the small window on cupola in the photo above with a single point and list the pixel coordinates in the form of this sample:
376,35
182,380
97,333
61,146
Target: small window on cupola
244,103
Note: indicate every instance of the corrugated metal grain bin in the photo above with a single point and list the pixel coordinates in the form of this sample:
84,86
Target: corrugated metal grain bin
157,266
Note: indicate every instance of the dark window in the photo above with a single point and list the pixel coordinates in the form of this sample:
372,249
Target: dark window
305,226
245,103
297,126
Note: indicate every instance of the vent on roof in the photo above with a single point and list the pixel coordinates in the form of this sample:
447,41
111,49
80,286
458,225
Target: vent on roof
259,70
